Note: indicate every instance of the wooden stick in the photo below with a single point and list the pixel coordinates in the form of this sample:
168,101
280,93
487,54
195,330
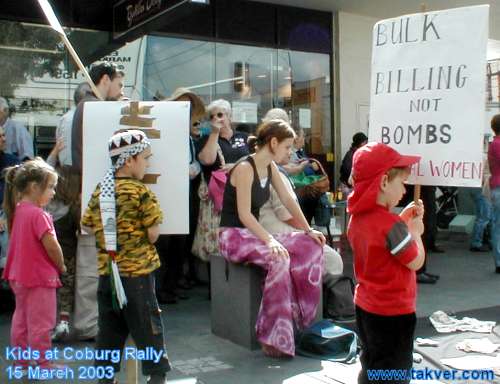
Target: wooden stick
416,193
131,367
416,190
56,26
80,65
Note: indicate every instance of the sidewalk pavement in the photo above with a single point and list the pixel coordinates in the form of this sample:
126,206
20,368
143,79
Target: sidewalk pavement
467,282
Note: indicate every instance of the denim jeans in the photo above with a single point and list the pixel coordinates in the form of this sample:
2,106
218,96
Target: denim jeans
483,216
495,235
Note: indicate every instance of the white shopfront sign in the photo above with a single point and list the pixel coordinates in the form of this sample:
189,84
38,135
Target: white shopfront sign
167,125
244,112
427,92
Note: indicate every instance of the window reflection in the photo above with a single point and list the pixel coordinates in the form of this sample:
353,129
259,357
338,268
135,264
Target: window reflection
39,78
253,79
309,99
172,63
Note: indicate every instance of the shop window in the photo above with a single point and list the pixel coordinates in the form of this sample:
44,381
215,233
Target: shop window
253,79
306,92
493,82
171,63
38,77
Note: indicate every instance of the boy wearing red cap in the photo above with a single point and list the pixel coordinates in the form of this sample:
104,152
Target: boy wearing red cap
387,250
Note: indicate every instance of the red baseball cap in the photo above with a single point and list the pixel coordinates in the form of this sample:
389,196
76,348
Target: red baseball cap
370,163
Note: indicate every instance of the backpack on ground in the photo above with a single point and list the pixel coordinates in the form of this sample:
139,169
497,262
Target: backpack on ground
327,341
338,298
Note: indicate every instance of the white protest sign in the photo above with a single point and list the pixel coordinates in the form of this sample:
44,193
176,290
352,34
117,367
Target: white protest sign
427,92
166,123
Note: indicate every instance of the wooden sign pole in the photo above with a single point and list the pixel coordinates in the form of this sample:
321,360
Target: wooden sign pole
416,193
416,190
131,367
56,26
81,66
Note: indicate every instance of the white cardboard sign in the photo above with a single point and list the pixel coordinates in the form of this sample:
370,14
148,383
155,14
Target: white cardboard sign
167,125
428,92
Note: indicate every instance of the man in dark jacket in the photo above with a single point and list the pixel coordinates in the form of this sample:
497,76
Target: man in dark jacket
358,140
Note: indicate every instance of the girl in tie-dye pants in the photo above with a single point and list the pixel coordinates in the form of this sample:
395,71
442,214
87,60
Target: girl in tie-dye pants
292,286
293,261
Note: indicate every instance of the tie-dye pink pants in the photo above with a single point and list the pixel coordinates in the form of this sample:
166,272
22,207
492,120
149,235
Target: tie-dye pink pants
292,287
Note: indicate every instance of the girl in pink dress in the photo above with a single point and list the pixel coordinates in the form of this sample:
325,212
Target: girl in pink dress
293,261
34,259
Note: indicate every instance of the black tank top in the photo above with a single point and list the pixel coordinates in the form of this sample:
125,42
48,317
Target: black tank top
229,215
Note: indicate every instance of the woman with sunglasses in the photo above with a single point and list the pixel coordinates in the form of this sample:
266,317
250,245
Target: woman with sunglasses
222,141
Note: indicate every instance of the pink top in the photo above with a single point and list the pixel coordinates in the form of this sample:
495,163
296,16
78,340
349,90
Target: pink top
494,161
27,260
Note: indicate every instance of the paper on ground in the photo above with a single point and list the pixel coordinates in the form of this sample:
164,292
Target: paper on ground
472,362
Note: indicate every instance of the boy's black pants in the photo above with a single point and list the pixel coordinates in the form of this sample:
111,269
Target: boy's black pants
139,318
387,343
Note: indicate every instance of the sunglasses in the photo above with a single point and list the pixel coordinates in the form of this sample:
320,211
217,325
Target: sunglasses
219,115
196,123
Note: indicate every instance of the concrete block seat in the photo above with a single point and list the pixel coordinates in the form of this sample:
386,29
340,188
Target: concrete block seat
462,223
236,293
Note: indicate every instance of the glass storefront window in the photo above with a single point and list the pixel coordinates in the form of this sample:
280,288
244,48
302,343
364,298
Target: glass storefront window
248,82
38,77
309,96
253,79
493,82
172,63
29,53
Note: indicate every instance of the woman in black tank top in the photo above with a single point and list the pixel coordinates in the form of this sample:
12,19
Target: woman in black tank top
291,260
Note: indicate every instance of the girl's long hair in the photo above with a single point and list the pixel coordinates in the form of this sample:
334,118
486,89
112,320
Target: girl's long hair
18,178
252,144
277,128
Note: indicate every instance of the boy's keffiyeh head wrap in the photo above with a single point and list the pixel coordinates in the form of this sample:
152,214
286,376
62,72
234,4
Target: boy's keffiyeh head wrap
122,146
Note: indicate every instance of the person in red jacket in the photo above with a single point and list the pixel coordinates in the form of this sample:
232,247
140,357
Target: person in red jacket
387,250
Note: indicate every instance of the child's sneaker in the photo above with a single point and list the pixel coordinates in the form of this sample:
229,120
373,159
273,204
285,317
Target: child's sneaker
61,331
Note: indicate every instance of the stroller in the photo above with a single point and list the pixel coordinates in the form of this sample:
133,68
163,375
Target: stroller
446,206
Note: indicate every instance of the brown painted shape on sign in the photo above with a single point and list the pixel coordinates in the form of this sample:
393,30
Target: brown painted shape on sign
151,178
152,133
130,115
